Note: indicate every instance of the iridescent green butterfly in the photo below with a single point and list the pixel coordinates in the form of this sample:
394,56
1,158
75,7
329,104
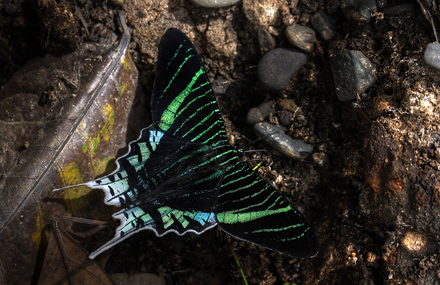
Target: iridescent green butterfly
181,175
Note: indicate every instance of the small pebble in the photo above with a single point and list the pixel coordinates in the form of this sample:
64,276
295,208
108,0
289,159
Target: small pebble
258,114
214,3
427,4
286,118
358,10
265,40
352,74
381,3
432,55
271,134
254,116
301,37
400,9
10,9
277,67
413,241
320,158
323,24
137,279
290,105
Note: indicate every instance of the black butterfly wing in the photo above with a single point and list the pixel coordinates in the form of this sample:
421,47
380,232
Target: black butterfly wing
141,169
164,182
183,102
181,176
181,204
250,209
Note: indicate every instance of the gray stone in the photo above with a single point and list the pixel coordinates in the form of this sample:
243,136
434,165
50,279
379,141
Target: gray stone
265,40
427,4
214,3
286,118
258,114
267,108
272,135
323,24
301,37
381,3
277,67
352,74
358,10
432,55
138,279
10,9
254,116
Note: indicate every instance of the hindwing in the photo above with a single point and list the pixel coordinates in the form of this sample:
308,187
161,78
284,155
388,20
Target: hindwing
250,209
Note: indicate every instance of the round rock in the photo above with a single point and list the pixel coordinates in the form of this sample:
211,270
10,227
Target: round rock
352,74
432,55
358,10
10,9
277,67
137,279
265,40
272,135
258,114
301,37
214,3
323,24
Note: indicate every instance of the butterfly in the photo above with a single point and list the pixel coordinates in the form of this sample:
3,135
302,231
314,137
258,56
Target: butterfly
181,175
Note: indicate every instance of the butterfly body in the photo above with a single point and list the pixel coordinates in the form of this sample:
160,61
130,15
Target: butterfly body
181,175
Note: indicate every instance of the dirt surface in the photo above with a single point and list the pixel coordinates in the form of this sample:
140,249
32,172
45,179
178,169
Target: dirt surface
371,189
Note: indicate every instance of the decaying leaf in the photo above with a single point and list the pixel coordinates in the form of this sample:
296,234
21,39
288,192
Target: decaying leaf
66,262
63,122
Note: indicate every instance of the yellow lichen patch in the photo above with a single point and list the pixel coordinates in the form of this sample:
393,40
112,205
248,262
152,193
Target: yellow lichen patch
71,175
126,62
84,148
90,146
100,165
122,88
107,129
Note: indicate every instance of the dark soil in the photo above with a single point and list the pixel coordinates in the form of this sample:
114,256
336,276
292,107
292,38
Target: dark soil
371,189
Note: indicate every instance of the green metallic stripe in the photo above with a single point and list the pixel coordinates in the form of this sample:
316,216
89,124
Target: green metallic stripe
175,54
194,113
262,191
255,205
197,125
205,131
235,216
192,101
229,161
278,229
205,163
296,237
237,180
176,73
216,174
221,137
169,115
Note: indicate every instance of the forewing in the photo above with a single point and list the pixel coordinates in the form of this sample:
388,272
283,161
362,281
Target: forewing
250,209
183,102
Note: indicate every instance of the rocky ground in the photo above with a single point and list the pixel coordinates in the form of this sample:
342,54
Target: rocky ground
371,187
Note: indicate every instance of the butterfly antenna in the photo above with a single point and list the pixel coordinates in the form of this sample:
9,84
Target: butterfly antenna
260,138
